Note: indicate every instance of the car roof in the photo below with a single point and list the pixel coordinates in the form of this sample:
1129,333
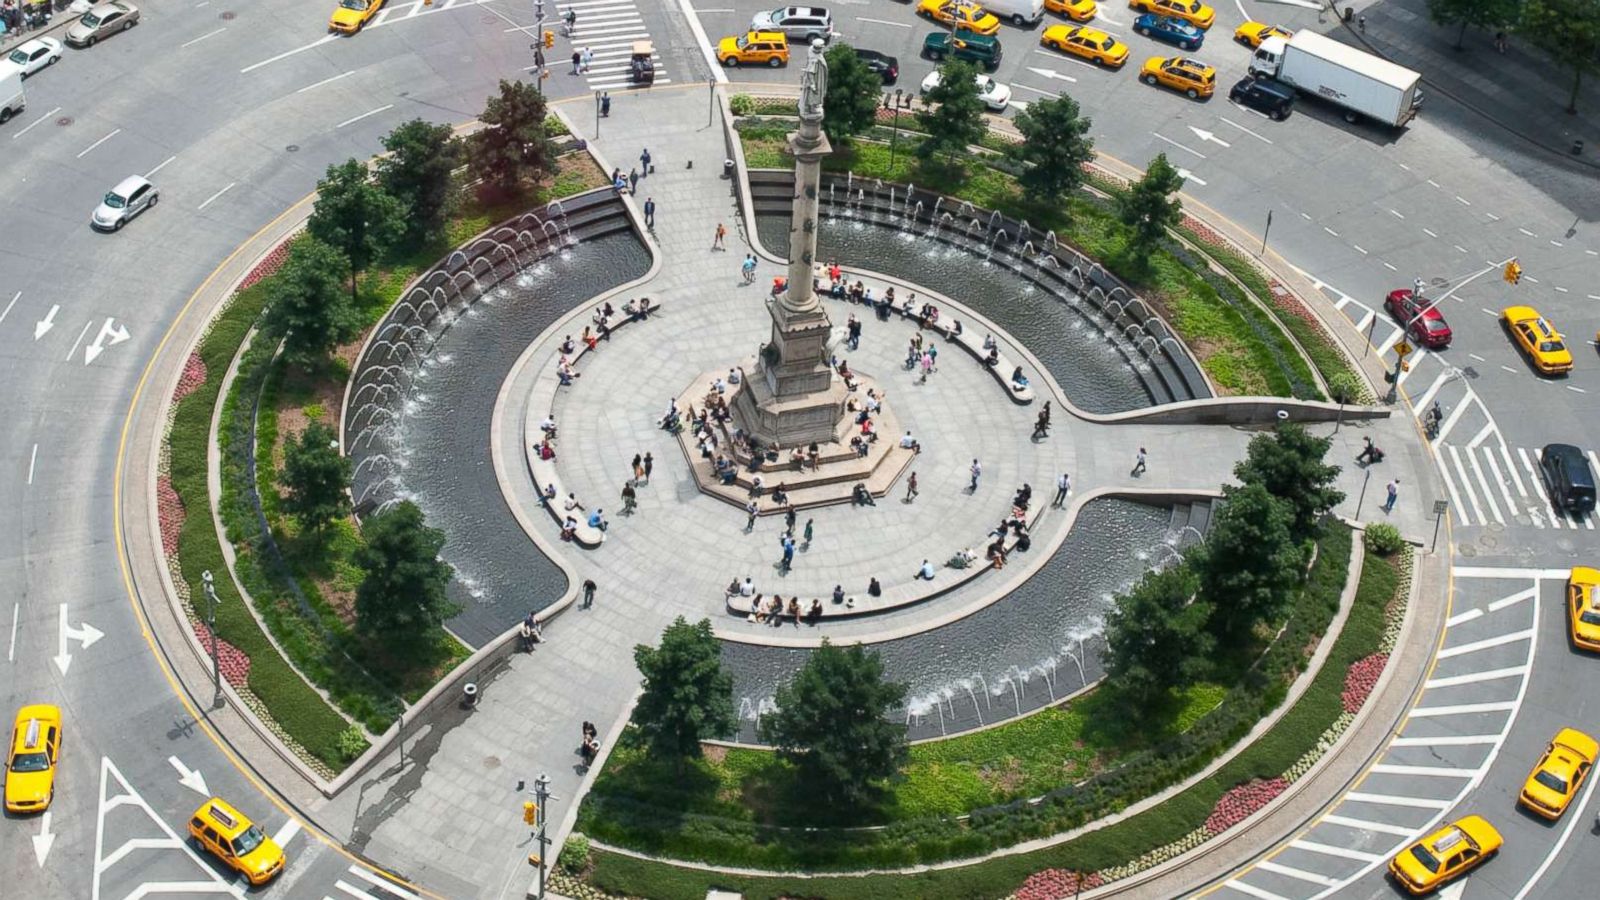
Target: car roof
1567,453
221,815
130,184
1093,34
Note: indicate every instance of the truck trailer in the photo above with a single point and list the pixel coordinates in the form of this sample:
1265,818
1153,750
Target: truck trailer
1365,86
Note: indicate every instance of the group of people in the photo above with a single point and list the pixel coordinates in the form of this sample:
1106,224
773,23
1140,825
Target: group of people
600,331
17,17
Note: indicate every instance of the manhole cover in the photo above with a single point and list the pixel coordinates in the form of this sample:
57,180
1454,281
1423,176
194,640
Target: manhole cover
293,148
227,16
64,121
491,762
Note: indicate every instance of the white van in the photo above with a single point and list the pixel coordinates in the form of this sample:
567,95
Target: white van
1021,13
11,99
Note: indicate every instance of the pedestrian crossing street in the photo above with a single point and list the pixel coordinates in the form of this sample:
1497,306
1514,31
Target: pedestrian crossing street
608,28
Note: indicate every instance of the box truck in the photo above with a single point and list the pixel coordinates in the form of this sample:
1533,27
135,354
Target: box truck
1364,85
12,100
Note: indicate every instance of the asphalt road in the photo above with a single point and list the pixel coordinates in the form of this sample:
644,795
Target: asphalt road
237,112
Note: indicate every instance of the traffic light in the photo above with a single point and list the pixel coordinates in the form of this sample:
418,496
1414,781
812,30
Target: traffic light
1513,273
530,812
549,39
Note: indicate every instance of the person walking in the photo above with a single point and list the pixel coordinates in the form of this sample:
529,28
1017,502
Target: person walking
1394,494
605,104
588,592
588,58
750,510
633,182
911,488
638,469
716,241
976,471
649,466
577,60
1063,488
789,519
644,161
748,269
630,499
788,553
650,213
807,533
1138,464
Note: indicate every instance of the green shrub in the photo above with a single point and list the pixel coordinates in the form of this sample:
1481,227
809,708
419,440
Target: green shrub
574,853
742,104
1345,387
351,743
1383,539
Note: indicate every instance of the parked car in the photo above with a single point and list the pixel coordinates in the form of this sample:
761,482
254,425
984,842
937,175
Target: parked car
798,23
1545,346
1191,76
982,49
1265,96
993,94
132,196
1422,320
1568,478
1091,44
33,55
1170,30
1558,774
102,20
1187,10
887,67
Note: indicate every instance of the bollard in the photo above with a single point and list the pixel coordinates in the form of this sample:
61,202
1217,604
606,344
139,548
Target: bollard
1348,14
1577,148
727,168
469,695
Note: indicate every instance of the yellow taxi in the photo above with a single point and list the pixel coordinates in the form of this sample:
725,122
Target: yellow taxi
352,14
1555,779
1583,607
1076,10
1191,76
754,48
230,836
958,14
1251,34
1545,346
1453,850
1089,43
35,751
1192,11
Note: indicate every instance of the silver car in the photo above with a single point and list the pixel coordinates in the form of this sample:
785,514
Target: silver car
102,20
132,196
798,23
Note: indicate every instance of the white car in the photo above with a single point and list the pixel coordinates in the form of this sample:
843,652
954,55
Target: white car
33,56
132,196
994,94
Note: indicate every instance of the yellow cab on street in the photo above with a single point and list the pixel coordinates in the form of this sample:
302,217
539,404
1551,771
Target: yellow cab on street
755,48
1453,850
351,15
1545,346
1192,11
1076,10
31,764
958,13
230,836
1251,34
1559,773
1091,44
1191,76
1583,608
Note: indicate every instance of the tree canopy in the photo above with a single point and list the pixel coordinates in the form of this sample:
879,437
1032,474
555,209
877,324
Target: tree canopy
1568,30
1288,462
1249,563
1475,13
355,215
317,477
952,115
512,147
853,95
1055,146
417,173
687,695
307,301
1148,207
401,601
1156,637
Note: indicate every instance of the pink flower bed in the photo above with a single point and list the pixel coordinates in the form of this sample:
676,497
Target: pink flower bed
1238,804
234,664
194,375
1054,884
1203,231
170,513
268,265
1361,679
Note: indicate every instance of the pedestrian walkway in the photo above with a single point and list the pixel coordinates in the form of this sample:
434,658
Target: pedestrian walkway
607,28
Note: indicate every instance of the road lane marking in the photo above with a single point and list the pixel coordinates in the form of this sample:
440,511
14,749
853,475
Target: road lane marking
1429,233
1561,842
1485,644
1466,483
1360,249
1330,231
1174,143
108,137
1364,825
288,53
1462,200
1459,618
1434,183
11,654
1475,677
74,351
14,298
218,194
373,112
35,122
1392,800
1396,214
1447,740
883,22
1329,850
326,81
286,833
1424,771
1460,249
1252,890
1492,217
1527,232
1390,267
209,34
1245,130
159,168
1268,865
31,461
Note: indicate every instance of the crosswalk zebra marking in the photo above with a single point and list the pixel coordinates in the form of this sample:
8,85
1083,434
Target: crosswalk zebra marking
1488,495
1466,483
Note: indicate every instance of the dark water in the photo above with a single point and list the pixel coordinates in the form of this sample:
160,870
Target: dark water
1040,642
1091,369
442,443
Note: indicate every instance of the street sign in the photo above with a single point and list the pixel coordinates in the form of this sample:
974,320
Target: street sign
1440,507
1401,348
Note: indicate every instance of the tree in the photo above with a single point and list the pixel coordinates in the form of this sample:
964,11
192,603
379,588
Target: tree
830,723
355,215
1055,146
317,477
687,695
512,145
952,114
1249,562
306,300
1568,30
1148,206
417,173
1477,13
401,601
1156,636
851,104
1289,464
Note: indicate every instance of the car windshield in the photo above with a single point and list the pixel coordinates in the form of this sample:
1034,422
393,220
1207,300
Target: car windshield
1428,860
1589,617
30,762
18,56
250,840
115,200
1551,780
1549,346
1107,44
357,5
1435,325
90,20
742,42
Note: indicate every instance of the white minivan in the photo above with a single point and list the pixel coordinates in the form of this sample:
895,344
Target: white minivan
11,99
1020,13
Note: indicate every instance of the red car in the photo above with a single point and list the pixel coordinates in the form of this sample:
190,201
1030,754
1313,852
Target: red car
1429,329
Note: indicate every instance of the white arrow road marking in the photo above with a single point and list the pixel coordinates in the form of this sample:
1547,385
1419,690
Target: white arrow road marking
107,333
43,841
1161,137
1187,175
45,324
190,778
115,792
1052,73
86,635
1455,890
1205,135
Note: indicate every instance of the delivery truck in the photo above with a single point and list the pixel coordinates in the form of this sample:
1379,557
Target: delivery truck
1365,86
12,99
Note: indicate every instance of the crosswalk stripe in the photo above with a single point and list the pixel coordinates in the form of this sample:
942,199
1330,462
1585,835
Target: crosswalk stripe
1521,491
286,833
1454,417
1364,825
1422,354
1427,395
1485,644
1450,488
384,883
1247,888
1426,771
1482,435
1488,495
1393,800
353,891
1514,599
1538,487
1475,677
621,81
1466,484
1268,865
1447,740
1329,850
1458,618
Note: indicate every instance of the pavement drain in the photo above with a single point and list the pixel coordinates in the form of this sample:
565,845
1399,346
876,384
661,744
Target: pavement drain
64,121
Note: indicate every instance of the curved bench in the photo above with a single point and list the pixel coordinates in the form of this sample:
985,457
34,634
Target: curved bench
543,471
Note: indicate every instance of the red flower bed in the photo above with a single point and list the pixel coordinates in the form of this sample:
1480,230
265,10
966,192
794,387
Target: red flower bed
1238,804
170,513
194,375
234,664
1054,884
1361,679
1203,231
268,265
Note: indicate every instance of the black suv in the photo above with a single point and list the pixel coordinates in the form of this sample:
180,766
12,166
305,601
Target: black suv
1569,478
882,64
1264,95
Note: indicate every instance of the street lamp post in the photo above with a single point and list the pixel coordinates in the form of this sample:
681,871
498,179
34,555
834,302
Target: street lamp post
210,585
901,100
597,115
